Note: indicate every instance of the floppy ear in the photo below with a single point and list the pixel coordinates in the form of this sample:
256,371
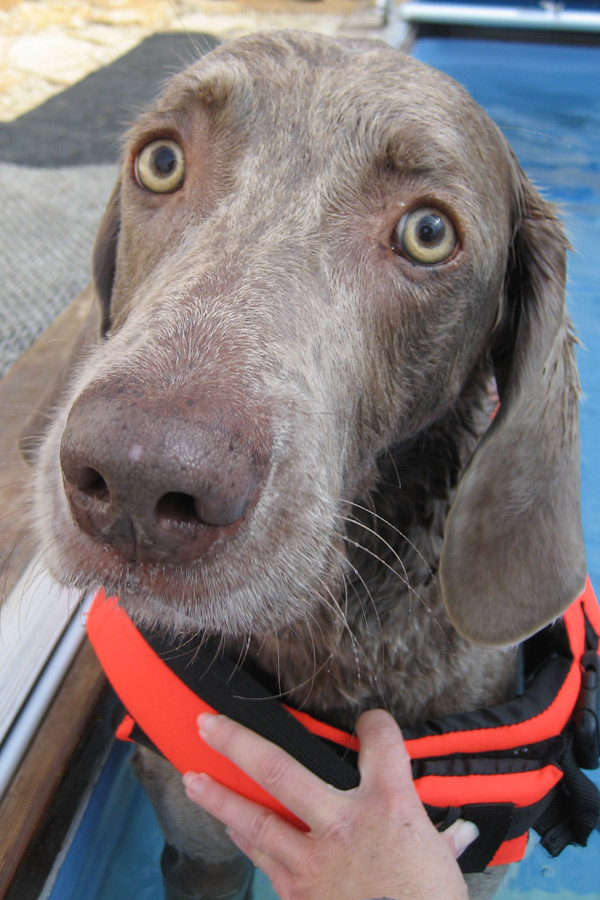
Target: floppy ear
104,262
513,556
94,326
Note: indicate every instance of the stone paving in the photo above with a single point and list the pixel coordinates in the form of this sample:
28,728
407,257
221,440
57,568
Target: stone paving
47,45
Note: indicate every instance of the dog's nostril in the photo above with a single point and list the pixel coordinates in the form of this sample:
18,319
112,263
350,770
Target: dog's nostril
90,482
177,508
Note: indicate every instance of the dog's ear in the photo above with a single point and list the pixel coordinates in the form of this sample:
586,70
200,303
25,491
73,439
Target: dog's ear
94,327
104,263
513,556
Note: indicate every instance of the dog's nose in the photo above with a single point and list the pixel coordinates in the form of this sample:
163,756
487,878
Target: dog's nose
159,481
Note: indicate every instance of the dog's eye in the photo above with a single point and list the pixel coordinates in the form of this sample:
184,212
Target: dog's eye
160,166
426,235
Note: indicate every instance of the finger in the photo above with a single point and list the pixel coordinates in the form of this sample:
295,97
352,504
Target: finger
459,835
302,792
383,760
259,827
278,874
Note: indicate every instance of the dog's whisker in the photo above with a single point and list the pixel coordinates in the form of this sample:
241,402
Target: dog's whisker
363,611
411,590
345,562
310,683
353,643
243,653
19,548
198,47
333,608
390,456
394,528
9,485
394,552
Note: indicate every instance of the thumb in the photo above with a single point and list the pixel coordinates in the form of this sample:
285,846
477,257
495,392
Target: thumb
383,760
459,835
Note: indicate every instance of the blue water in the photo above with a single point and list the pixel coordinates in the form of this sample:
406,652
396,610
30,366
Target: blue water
547,101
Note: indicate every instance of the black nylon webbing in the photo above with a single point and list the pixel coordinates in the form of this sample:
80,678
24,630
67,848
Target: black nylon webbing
574,810
235,693
539,694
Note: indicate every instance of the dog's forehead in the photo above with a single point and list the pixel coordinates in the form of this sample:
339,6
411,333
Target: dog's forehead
328,93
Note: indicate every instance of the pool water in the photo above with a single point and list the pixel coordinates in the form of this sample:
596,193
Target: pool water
546,99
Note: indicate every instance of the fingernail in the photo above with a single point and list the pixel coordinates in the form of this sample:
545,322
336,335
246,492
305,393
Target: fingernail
206,722
194,782
462,833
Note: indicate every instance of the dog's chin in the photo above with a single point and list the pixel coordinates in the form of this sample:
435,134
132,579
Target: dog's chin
182,600
185,616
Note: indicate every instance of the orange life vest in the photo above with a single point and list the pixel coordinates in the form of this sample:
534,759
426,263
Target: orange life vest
508,768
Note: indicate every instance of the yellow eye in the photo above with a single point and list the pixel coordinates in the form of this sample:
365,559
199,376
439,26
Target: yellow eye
160,166
426,235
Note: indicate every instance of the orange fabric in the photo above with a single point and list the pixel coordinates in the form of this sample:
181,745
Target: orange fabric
124,729
520,788
590,604
510,851
321,729
120,648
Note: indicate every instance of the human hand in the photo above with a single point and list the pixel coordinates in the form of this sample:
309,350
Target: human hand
373,841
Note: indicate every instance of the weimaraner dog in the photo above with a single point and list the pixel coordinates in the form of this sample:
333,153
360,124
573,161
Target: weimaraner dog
319,269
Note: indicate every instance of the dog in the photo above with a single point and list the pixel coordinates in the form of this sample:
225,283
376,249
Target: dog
320,270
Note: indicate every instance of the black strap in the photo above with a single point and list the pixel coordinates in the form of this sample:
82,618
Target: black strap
493,821
225,686
547,660
574,808
497,822
586,744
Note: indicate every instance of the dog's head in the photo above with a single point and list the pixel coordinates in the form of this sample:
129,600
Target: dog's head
313,249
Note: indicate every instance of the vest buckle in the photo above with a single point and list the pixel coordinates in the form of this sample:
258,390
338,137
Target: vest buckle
586,743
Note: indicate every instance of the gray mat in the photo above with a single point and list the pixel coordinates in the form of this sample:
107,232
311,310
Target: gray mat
49,219
58,164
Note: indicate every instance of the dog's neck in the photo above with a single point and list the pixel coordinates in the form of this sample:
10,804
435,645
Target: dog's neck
370,642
